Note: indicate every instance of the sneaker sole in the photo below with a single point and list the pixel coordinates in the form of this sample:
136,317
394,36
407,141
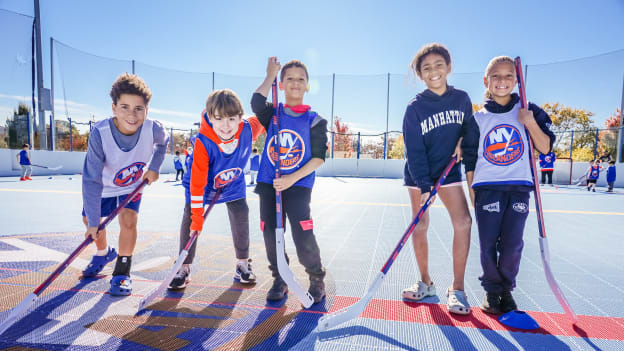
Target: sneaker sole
243,281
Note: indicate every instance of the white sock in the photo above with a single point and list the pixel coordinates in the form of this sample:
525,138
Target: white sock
242,260
101,252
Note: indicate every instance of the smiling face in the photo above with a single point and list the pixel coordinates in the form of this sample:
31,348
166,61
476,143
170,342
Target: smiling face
225,126
433,71
500,82
130,112
294,84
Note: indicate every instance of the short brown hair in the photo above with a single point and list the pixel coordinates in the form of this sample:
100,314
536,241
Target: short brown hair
224,102
432,48
291,64
130,84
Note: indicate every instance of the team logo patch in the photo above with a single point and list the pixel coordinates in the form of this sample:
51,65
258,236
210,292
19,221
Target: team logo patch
226,177
291,149
520,207
129,175
493,207
594,173
503,145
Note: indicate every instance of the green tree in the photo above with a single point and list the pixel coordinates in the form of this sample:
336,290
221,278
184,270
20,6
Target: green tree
566,119
17,127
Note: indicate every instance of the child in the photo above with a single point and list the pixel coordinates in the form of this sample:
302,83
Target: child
498,170
178,166
23,157
432,129
119,150
547,166
303,139
254,165
593,173
221,150
611,176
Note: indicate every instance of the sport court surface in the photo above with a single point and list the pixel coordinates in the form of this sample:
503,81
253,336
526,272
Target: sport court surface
357,222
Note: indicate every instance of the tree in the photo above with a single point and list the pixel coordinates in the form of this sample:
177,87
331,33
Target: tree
567,119
607,143
342,138
397,147
17,127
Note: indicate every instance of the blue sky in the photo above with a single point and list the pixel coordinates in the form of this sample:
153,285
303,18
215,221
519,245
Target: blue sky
360,41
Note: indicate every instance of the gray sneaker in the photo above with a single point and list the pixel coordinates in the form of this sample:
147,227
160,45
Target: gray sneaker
181,279
243,272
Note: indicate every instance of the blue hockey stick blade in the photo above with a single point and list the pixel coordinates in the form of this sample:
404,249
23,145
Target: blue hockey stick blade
518,319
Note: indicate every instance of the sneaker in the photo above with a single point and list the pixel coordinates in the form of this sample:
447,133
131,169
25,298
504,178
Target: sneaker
594,190
491,303
278,290
317,288
28,178
507,302
22,179
419,291
457,302
181,279
243,272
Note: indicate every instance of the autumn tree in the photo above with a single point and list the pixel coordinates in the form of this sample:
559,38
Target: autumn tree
607,144
17,127
397,147
566,119
342,138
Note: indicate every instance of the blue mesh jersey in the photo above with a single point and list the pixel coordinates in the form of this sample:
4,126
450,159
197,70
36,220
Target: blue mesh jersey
294,148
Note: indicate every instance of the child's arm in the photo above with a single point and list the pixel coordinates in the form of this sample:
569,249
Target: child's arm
256,127
416,152
470,148
259,105
538,123
161,139
273,68
199,179
17,156
318,148
92,183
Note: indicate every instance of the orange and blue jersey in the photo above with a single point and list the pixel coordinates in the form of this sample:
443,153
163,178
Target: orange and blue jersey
594,172
547,162
294,147
213,167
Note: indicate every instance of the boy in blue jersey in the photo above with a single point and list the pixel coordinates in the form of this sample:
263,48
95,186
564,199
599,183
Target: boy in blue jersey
23,157
593,173
177,164
120,149
302,143
254,165
220,152
499,175
547,166
611,176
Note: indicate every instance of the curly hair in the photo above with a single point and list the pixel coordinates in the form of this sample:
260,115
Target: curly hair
130,84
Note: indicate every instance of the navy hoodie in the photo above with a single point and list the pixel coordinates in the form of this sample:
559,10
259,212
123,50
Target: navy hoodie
431,128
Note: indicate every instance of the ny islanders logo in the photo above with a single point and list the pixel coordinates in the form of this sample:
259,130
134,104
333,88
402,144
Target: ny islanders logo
503,145
291,149
129,175
227,176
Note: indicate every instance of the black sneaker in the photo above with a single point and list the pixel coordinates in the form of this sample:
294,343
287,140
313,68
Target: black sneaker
278,290
317,288
491,303
181,279
243,272
507,302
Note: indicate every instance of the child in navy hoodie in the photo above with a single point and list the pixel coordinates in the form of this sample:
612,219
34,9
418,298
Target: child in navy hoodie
432,130
498,170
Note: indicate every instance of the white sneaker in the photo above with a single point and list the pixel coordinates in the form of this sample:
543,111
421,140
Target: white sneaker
244,273
419,291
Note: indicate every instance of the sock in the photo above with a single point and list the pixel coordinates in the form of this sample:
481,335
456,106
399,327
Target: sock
242,260
122,267
101,252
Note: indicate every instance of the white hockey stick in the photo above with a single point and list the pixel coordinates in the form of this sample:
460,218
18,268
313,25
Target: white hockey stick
550,278
50,168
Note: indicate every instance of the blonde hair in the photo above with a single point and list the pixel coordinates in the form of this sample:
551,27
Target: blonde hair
224,102
432,48
493,62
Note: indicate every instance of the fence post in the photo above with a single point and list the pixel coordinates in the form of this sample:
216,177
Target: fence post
620,145
385,145
133,70
71,136
52,129
387,116
571,144
171,140
358,147
332,145
596,144
28,126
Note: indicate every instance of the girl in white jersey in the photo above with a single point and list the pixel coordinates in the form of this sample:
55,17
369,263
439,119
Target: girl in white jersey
498,170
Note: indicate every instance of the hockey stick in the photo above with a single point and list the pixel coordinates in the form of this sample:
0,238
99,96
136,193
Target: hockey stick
50,168
282,265
538,207
178,263
23,306
333,319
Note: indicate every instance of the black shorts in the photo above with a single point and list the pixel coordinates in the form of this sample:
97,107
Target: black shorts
592,181
453,176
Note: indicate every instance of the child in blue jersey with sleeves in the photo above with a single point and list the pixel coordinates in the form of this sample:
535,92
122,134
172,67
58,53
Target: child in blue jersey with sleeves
120,149
23,157
303,144
611,176
254,165
177,164
432,130
547,166
498,171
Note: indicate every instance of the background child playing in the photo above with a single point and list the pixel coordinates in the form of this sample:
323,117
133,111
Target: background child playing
432,129
177,163
23,157
221,150
611,176
547,166
254,165
303,139
500,178
119,150
593,173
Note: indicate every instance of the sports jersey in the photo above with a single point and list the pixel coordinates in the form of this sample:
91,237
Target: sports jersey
547,162
24,158
218,163
294,144
594,172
